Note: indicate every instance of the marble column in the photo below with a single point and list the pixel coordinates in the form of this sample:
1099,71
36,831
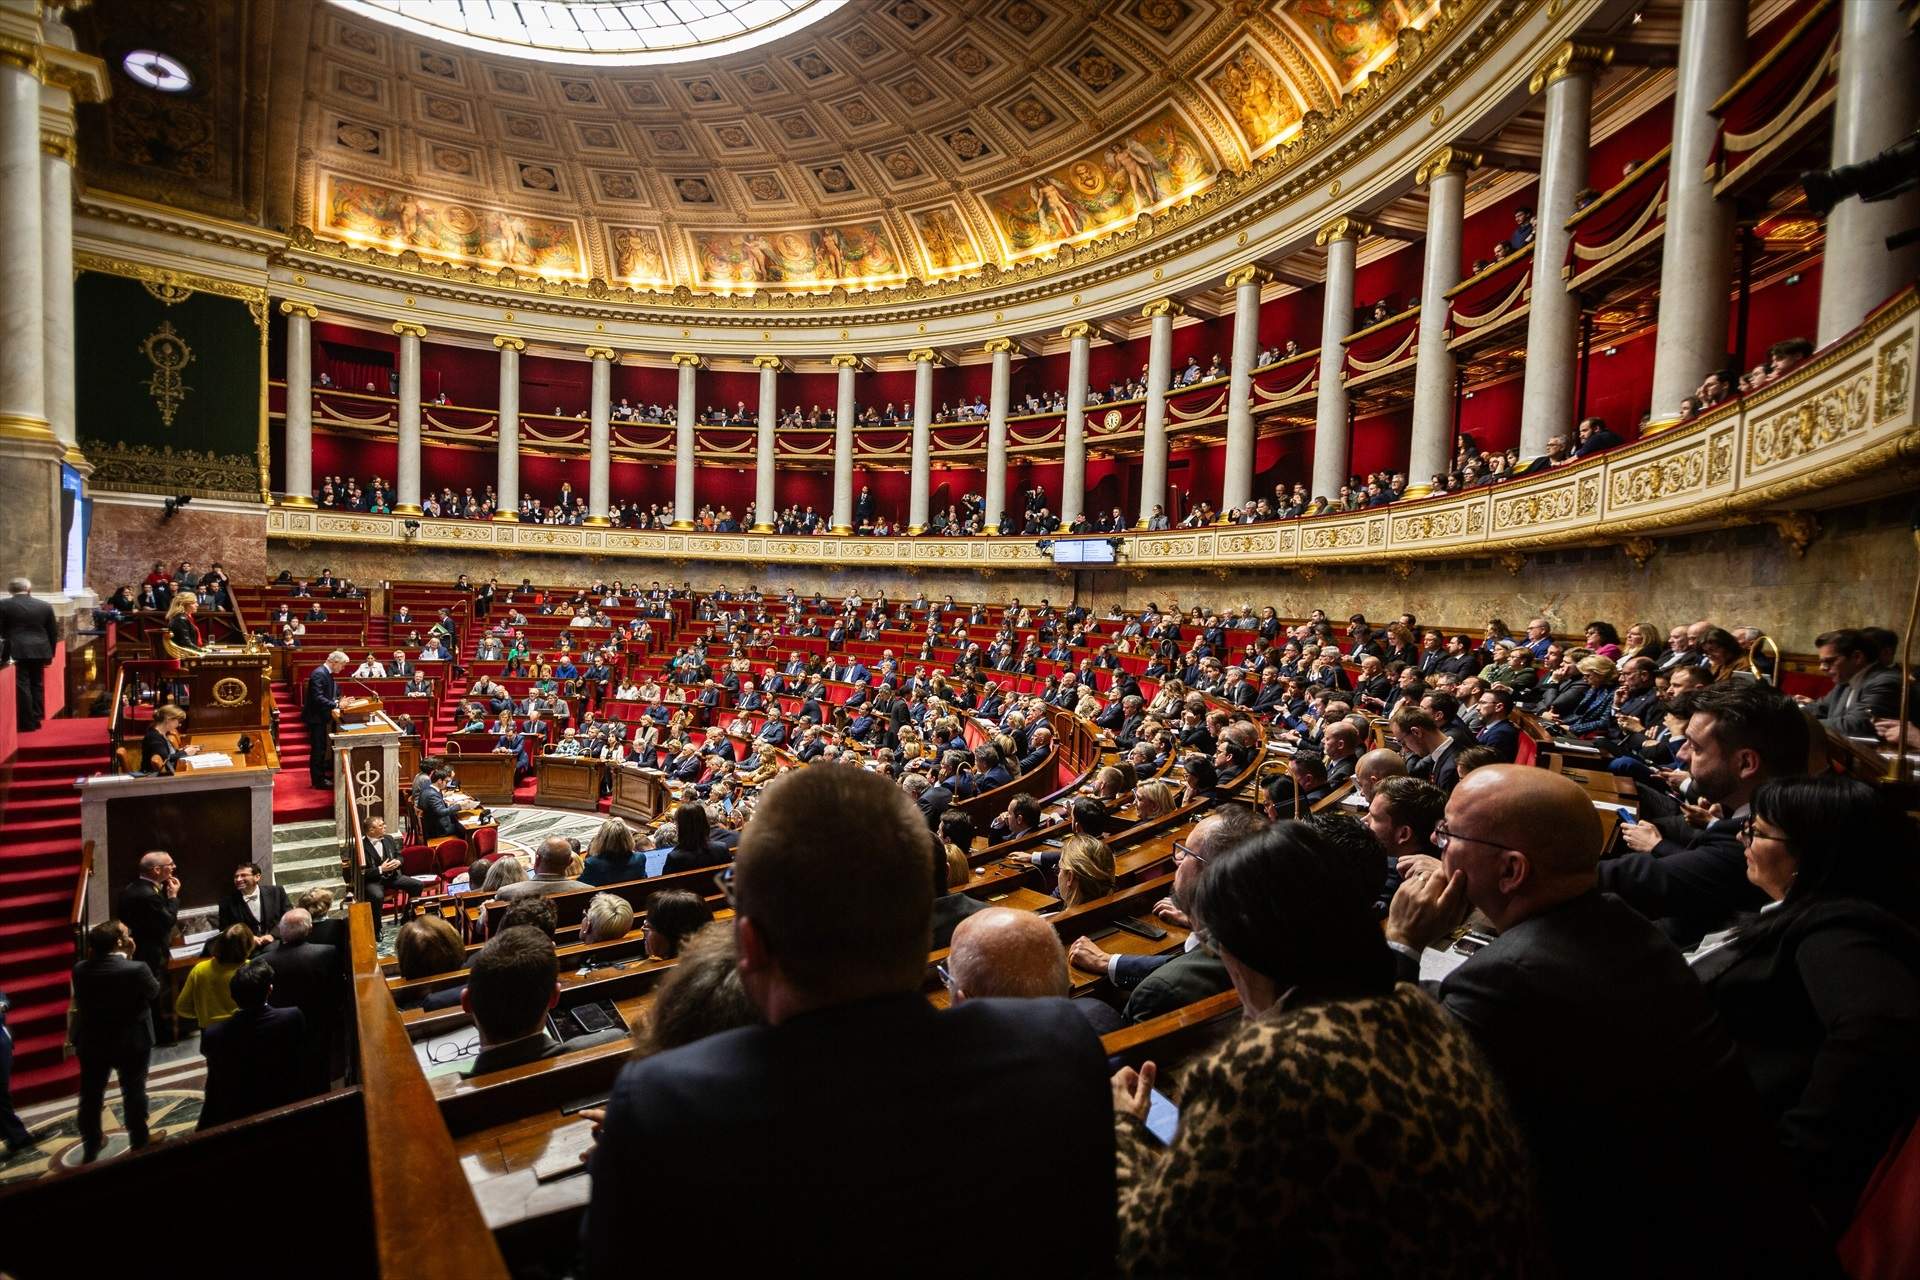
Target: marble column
1153,453
1697,250
683,442
1444,175
600,436
1236,484
842,521
998,396
1874,106
920,478
1073,475
1331,430
30,453
1553,317
406,483
56,223
506,486
764,508
299,435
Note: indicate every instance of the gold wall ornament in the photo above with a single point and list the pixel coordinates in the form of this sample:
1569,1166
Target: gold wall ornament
1640,550
1797,529
229,692
1513,562
124,468
1345,227
1447,159
167,287
1569,59
168,353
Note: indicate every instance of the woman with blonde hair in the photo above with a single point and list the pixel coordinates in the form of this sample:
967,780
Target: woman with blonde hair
1152,799
1088,707
609,916
610,855
1643,640
1086,870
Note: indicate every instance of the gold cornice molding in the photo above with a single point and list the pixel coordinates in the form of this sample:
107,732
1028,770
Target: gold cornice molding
1347,226
1447,159
844,361
1568,59
923,355
1162,307
687,358
599,353
1078,331
506,341
292,308
159,279
1252,273
409,329
997,346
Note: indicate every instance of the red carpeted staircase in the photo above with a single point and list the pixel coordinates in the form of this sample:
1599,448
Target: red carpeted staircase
294,799
39,867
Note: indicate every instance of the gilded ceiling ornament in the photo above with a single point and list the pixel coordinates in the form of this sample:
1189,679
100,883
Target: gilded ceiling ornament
166,286
168,353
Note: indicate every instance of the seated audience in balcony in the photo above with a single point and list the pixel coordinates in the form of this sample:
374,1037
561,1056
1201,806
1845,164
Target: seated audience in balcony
1522,229
1594,438
1821,989
1787,355
1605,1046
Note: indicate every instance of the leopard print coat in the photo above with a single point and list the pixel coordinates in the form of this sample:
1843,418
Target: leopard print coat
1355,1137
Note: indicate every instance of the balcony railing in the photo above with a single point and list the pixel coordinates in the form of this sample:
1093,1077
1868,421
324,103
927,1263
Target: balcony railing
1491,300
1622,226
1778,102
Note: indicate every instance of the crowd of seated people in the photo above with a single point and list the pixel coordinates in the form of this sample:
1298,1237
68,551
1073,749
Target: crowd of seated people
1722,1010
1723,385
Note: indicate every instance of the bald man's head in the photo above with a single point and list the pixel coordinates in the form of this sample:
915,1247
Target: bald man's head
1376,767
1526,838
1007,953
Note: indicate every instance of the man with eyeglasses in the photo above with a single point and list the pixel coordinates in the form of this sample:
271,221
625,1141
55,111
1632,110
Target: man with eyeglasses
1689,871
1616,1067
811,1124
1160,984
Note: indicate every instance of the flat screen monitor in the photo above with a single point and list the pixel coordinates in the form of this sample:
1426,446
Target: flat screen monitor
1082,551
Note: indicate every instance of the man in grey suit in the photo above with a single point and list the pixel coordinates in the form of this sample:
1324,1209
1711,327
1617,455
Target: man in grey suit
28,635
549,873
1616,1067
1161,984
1864,689
113,1031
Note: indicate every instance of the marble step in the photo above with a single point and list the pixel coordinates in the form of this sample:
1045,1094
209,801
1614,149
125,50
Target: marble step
302,832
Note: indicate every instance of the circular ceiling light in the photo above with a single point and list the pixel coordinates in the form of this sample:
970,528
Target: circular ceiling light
157,71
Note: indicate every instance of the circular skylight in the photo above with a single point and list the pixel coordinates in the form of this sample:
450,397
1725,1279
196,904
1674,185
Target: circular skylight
619,32
157,71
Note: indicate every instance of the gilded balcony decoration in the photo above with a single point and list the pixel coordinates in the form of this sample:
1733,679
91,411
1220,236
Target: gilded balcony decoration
1493,299
1625,223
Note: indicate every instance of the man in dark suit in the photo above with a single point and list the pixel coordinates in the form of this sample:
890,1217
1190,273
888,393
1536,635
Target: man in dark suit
254,1057
1692,879
1163,983
1864,689
113,996
1616,1069
28,635
999,953
988,773
306,976
950,904
512,984
149,905
809,1118
437,817
1497,732
253,904
380,868
318,709
1430,753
